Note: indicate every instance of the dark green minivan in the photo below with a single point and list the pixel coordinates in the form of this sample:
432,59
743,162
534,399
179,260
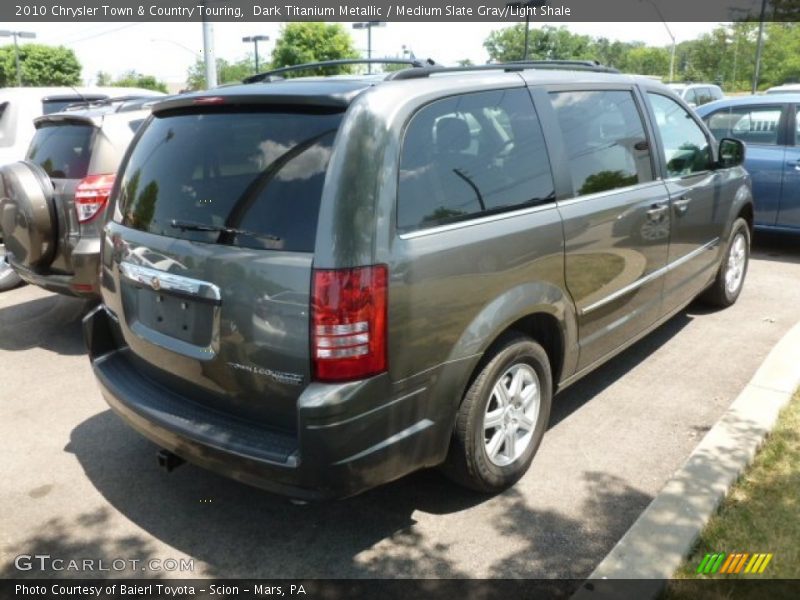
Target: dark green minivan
318,285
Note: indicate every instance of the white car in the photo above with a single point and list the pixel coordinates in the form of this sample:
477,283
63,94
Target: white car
20,106
697,94
789,88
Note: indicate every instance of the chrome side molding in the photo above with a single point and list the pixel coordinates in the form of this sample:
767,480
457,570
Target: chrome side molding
651,277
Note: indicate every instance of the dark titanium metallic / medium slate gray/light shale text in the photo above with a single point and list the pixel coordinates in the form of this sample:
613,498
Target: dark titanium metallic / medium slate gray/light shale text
383,10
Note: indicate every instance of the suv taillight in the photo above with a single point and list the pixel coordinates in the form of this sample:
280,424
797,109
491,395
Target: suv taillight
92,194
348,335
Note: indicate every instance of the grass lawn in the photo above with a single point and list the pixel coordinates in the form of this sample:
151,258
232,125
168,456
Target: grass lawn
760,515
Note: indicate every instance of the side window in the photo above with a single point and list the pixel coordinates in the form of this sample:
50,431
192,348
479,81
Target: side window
690,96
703,96
796,127
605,140
752,125
686,148
471,155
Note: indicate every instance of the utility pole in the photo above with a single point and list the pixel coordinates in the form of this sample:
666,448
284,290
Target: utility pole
208,51
255,39
759,45
368,25
527,6
15,35
672,37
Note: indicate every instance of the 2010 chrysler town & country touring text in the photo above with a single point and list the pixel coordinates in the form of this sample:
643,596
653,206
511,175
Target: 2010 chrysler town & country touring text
318,285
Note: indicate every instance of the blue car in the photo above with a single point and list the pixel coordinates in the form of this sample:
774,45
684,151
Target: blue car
770,128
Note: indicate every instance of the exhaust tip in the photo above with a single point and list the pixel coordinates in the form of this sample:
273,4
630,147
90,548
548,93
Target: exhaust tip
168,461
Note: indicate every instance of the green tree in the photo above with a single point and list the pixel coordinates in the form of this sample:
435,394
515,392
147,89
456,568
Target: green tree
545,43
40,65
227,72
781,57
103,79
645,60
311,42
137,80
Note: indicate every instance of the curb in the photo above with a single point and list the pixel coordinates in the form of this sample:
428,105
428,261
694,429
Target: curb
663,535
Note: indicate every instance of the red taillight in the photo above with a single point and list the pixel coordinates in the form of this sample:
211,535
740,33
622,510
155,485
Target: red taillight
92,194
348,335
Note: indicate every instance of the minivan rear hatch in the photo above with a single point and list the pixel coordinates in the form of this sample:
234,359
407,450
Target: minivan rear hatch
213,235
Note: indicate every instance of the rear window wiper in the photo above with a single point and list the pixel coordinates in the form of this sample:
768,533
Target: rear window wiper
193,226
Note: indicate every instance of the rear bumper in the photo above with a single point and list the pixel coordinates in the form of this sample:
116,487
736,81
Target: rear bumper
82,282
337,451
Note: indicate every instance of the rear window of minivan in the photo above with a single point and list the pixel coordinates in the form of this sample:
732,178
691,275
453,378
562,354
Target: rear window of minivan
246,178
62,149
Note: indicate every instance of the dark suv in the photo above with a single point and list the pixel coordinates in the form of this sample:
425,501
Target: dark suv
318,285
52,204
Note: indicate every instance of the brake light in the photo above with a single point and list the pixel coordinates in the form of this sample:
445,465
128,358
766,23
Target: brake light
209,100
348,336
92,194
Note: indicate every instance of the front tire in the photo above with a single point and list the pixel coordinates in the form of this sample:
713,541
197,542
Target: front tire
502,418
730,278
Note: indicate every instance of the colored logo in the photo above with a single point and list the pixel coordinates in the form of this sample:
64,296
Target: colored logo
734,564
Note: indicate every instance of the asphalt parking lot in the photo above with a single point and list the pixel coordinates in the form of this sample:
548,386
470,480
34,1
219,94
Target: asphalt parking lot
77,483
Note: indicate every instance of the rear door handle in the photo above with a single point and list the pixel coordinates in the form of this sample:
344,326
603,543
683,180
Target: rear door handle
682,204
795,164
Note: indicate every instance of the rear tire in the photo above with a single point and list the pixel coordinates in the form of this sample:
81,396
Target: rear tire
730,279
502,418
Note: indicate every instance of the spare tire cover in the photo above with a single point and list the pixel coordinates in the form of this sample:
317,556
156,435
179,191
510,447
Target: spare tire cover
27,214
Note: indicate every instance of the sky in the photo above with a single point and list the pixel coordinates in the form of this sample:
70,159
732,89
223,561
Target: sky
166,50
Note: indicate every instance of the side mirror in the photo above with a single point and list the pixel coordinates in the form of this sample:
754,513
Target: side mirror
731,153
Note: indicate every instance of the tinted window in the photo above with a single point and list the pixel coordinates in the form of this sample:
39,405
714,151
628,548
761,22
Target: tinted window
260,173
471,155
62,150
134,125
686,148
690,97
605,140
704,96
752,125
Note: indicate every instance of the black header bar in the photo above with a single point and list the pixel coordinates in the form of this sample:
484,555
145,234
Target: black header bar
535,11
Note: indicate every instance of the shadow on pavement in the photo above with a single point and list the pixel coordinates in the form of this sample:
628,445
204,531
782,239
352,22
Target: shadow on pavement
578,394
52,322
780,247
239,531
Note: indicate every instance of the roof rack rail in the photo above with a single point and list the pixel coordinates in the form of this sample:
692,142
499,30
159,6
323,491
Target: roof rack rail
513,66
275,74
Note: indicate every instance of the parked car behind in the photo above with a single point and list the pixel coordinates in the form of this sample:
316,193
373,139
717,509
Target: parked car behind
19,107
52,203
788,88
319,285
769,126
697,94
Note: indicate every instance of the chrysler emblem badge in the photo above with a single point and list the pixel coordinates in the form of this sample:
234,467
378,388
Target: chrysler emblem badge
155,283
